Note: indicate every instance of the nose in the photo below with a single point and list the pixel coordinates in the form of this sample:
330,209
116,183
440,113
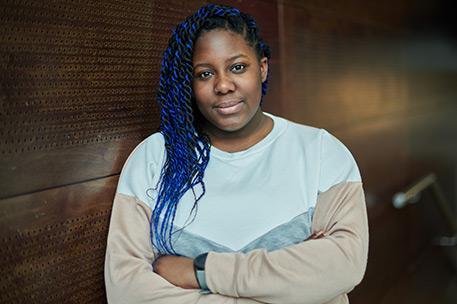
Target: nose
223,85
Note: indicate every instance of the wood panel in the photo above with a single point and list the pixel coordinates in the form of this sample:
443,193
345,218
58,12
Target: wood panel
53,244
78,86
387,91
336,75
430,279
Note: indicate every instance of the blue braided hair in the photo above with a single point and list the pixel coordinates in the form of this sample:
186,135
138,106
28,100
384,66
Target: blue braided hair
187,147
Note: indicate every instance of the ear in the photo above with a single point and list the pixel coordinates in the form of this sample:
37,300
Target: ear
263,68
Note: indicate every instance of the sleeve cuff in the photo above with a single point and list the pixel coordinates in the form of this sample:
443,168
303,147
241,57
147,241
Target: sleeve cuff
220,272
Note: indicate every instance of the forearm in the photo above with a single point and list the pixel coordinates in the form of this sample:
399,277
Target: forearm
131,282
314,271
129,276
285,276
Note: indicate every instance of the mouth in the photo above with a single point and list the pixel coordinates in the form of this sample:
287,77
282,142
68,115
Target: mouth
229,107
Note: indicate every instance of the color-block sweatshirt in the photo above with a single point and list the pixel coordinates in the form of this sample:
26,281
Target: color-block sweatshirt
260,207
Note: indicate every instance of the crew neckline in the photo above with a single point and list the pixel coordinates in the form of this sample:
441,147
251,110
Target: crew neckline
279,125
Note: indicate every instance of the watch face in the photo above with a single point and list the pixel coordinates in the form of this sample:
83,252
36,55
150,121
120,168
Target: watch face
200,261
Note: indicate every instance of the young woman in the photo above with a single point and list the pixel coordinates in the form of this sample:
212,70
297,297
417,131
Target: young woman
228,204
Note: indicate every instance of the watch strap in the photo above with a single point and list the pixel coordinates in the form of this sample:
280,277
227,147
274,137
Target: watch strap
201,279
199,268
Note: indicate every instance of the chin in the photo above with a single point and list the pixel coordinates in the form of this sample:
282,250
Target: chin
229,125
230,128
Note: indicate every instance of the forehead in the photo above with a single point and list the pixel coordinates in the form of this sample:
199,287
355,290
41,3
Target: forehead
220,45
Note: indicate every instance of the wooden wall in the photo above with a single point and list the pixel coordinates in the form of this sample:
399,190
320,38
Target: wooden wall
78,80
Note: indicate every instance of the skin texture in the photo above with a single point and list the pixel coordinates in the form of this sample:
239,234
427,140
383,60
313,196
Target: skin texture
177,270
228,72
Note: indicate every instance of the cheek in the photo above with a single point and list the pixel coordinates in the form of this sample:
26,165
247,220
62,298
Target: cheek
201,96
254,85
198,92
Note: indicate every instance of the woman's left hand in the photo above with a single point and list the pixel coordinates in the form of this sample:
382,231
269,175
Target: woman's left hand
177,270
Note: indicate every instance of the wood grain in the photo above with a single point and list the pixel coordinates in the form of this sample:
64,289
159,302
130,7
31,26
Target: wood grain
53,244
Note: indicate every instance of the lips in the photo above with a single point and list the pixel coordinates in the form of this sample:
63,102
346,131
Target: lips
229,107
227,104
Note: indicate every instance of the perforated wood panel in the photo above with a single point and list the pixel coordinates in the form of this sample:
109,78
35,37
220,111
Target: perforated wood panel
78,85
52,244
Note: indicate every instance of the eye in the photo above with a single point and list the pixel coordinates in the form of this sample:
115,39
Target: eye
204,75
238,68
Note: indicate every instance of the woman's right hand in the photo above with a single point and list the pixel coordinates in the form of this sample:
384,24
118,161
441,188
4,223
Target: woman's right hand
177,270
316,235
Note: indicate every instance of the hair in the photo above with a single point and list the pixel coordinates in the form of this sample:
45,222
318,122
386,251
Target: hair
187,147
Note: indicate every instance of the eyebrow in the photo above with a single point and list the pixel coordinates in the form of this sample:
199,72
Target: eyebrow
228,60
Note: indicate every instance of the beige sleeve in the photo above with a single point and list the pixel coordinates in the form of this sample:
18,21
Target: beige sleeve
129,277
315,271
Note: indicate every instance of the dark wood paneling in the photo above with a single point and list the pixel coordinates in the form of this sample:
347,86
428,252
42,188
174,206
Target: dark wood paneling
78,86
430,279
30,172
363,72
53,244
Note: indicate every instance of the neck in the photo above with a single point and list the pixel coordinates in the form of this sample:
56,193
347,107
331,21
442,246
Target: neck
257,129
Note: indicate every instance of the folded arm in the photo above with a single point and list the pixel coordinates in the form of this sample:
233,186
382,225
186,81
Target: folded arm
129,275
315,271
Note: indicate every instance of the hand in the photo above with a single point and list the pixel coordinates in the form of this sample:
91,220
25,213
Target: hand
177,270
317,235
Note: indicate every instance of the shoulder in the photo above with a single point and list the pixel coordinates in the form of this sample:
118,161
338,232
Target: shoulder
300,135
150,149
331,159
297,133
142,168
337,164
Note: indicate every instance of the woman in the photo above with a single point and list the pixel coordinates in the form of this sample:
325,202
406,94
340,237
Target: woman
228,204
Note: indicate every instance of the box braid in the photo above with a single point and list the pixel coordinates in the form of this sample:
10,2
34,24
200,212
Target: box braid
187,147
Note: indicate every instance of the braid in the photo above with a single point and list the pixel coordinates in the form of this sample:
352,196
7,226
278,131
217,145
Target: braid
187,147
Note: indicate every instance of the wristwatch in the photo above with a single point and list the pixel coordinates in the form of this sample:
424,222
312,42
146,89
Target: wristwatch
199,268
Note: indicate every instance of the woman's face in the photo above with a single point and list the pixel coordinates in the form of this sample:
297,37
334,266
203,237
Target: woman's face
228,80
